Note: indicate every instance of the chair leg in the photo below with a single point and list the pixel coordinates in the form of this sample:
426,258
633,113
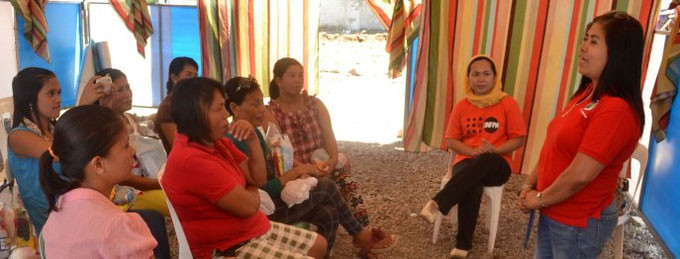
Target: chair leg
618,242
437,224
495,195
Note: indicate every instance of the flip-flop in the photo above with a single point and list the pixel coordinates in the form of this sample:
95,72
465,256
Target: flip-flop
377,235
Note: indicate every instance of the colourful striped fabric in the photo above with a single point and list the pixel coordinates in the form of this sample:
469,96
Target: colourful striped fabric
665,87
534,42
382,10
403,29
135,15
35,25
246,38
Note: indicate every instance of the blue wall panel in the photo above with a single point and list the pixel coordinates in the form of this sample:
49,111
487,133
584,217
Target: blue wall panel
660,200
64,41
185,37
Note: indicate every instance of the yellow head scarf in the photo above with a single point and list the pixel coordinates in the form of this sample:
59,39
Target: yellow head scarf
491,98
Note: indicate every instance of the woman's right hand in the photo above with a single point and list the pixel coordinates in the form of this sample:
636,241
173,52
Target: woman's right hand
522,199
91,91
311,170
242,129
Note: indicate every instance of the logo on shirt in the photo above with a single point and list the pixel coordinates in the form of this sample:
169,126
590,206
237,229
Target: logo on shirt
491,125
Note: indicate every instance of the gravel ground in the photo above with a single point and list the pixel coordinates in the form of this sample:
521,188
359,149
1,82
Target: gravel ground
367,113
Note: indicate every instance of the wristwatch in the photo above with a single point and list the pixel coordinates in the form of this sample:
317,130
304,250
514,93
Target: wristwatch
539,197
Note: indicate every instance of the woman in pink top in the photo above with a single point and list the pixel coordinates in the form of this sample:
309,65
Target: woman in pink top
91,144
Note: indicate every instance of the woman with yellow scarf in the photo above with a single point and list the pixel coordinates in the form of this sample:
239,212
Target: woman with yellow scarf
484,129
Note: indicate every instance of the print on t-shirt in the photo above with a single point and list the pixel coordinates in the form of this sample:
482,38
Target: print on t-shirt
491,125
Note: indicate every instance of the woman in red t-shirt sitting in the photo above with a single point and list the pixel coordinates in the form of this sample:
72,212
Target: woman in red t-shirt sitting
214,187
587,143
484,129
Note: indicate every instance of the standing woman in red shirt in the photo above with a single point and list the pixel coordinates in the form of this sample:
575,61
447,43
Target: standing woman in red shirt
484,129
587,143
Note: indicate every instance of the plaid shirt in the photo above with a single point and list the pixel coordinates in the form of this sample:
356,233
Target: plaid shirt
302,127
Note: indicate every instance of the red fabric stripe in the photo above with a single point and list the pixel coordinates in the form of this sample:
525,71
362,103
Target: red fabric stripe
453,11
305,44
237,43
478,28
569,55
251,40
539,39
382,16
205,60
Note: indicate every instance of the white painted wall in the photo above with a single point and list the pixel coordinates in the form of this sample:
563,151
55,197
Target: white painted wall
8,51
348,15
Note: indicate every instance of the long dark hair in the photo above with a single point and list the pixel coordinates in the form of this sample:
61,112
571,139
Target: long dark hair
80,134
190,104
622,74
176,67
25,87
237,88
280,68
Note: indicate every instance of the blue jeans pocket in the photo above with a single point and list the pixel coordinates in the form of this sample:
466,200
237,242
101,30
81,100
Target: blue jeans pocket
593,238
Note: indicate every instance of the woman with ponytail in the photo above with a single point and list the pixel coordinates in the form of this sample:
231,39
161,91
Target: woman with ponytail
91,144
180,68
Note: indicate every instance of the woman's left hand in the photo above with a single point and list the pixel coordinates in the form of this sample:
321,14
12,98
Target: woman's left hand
531,201
242,129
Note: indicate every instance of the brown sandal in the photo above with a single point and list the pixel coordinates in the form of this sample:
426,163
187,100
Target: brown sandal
377,235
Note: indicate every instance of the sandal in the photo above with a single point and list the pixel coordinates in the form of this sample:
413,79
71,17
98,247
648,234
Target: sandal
377,235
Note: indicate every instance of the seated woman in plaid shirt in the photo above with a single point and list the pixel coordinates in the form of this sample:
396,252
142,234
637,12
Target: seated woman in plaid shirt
325,207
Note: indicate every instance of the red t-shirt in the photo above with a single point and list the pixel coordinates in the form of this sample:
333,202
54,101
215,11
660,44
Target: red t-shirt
195,178
497,123
606,131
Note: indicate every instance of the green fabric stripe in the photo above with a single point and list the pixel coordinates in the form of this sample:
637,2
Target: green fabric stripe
485,27
622,5
432,65
588,6
517,24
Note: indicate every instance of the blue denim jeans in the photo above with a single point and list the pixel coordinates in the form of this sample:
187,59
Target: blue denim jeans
558,240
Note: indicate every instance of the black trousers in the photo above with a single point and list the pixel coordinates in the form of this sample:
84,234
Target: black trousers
465,189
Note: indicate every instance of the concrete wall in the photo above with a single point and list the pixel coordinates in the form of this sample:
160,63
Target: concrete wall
348,16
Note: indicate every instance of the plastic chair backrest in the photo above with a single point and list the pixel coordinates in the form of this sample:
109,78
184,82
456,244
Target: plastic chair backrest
184,250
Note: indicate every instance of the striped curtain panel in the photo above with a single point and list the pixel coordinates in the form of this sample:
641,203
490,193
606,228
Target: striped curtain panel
535,44
135,15
35,25
246,38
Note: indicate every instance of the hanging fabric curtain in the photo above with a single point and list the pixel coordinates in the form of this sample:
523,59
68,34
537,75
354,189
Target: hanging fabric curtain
246,38
403,29
135,15
666,85
535,44
383,11
35,25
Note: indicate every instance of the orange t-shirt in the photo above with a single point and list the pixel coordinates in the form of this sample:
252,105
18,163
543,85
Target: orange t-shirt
606,131
497,123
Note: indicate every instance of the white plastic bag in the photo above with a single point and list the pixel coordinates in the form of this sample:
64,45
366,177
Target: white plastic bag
297,191
150,154
282,149
266,203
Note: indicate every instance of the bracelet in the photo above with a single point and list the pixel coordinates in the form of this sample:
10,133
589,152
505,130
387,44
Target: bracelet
539,197
525,186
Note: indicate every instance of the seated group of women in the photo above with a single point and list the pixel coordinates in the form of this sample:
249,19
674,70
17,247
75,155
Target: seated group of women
212,175
216,168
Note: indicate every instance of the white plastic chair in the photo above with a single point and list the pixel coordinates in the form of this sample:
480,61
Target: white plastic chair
494,193
640,154
184,250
